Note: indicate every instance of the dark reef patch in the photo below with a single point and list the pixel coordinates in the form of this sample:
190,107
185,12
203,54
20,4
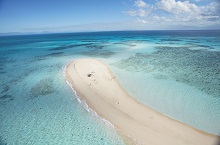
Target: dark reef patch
2,72
5,61
42,88
6,98
198,68
44,57
55,54
11,51
103,54
2,141
170,39
5,89
192,45
95,47
136,64
89,40
69,46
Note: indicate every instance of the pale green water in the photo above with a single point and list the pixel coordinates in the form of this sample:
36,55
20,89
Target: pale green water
174,72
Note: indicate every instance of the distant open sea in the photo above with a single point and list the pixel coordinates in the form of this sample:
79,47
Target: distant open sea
176,73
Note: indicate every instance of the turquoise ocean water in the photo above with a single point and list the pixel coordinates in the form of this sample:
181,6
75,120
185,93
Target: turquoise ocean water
174,72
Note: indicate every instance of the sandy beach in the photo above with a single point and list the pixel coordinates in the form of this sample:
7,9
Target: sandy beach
94,82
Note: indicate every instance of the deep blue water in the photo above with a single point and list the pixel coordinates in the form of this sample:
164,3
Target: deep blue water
174,72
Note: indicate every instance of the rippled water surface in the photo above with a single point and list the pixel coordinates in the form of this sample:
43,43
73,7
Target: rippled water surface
174,72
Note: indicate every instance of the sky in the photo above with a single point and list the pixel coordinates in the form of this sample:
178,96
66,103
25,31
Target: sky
107,15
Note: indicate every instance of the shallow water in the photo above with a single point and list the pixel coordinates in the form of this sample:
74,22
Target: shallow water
174,72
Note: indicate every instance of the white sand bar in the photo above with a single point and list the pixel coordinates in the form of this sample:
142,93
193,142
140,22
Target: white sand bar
94,82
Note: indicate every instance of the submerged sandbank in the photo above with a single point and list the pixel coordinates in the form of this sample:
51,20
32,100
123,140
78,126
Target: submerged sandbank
94,82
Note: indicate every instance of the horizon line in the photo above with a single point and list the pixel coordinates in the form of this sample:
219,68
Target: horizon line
53,32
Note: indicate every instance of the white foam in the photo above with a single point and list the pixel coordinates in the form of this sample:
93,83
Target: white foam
90,110
64,71
78,100
107,123
84,104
